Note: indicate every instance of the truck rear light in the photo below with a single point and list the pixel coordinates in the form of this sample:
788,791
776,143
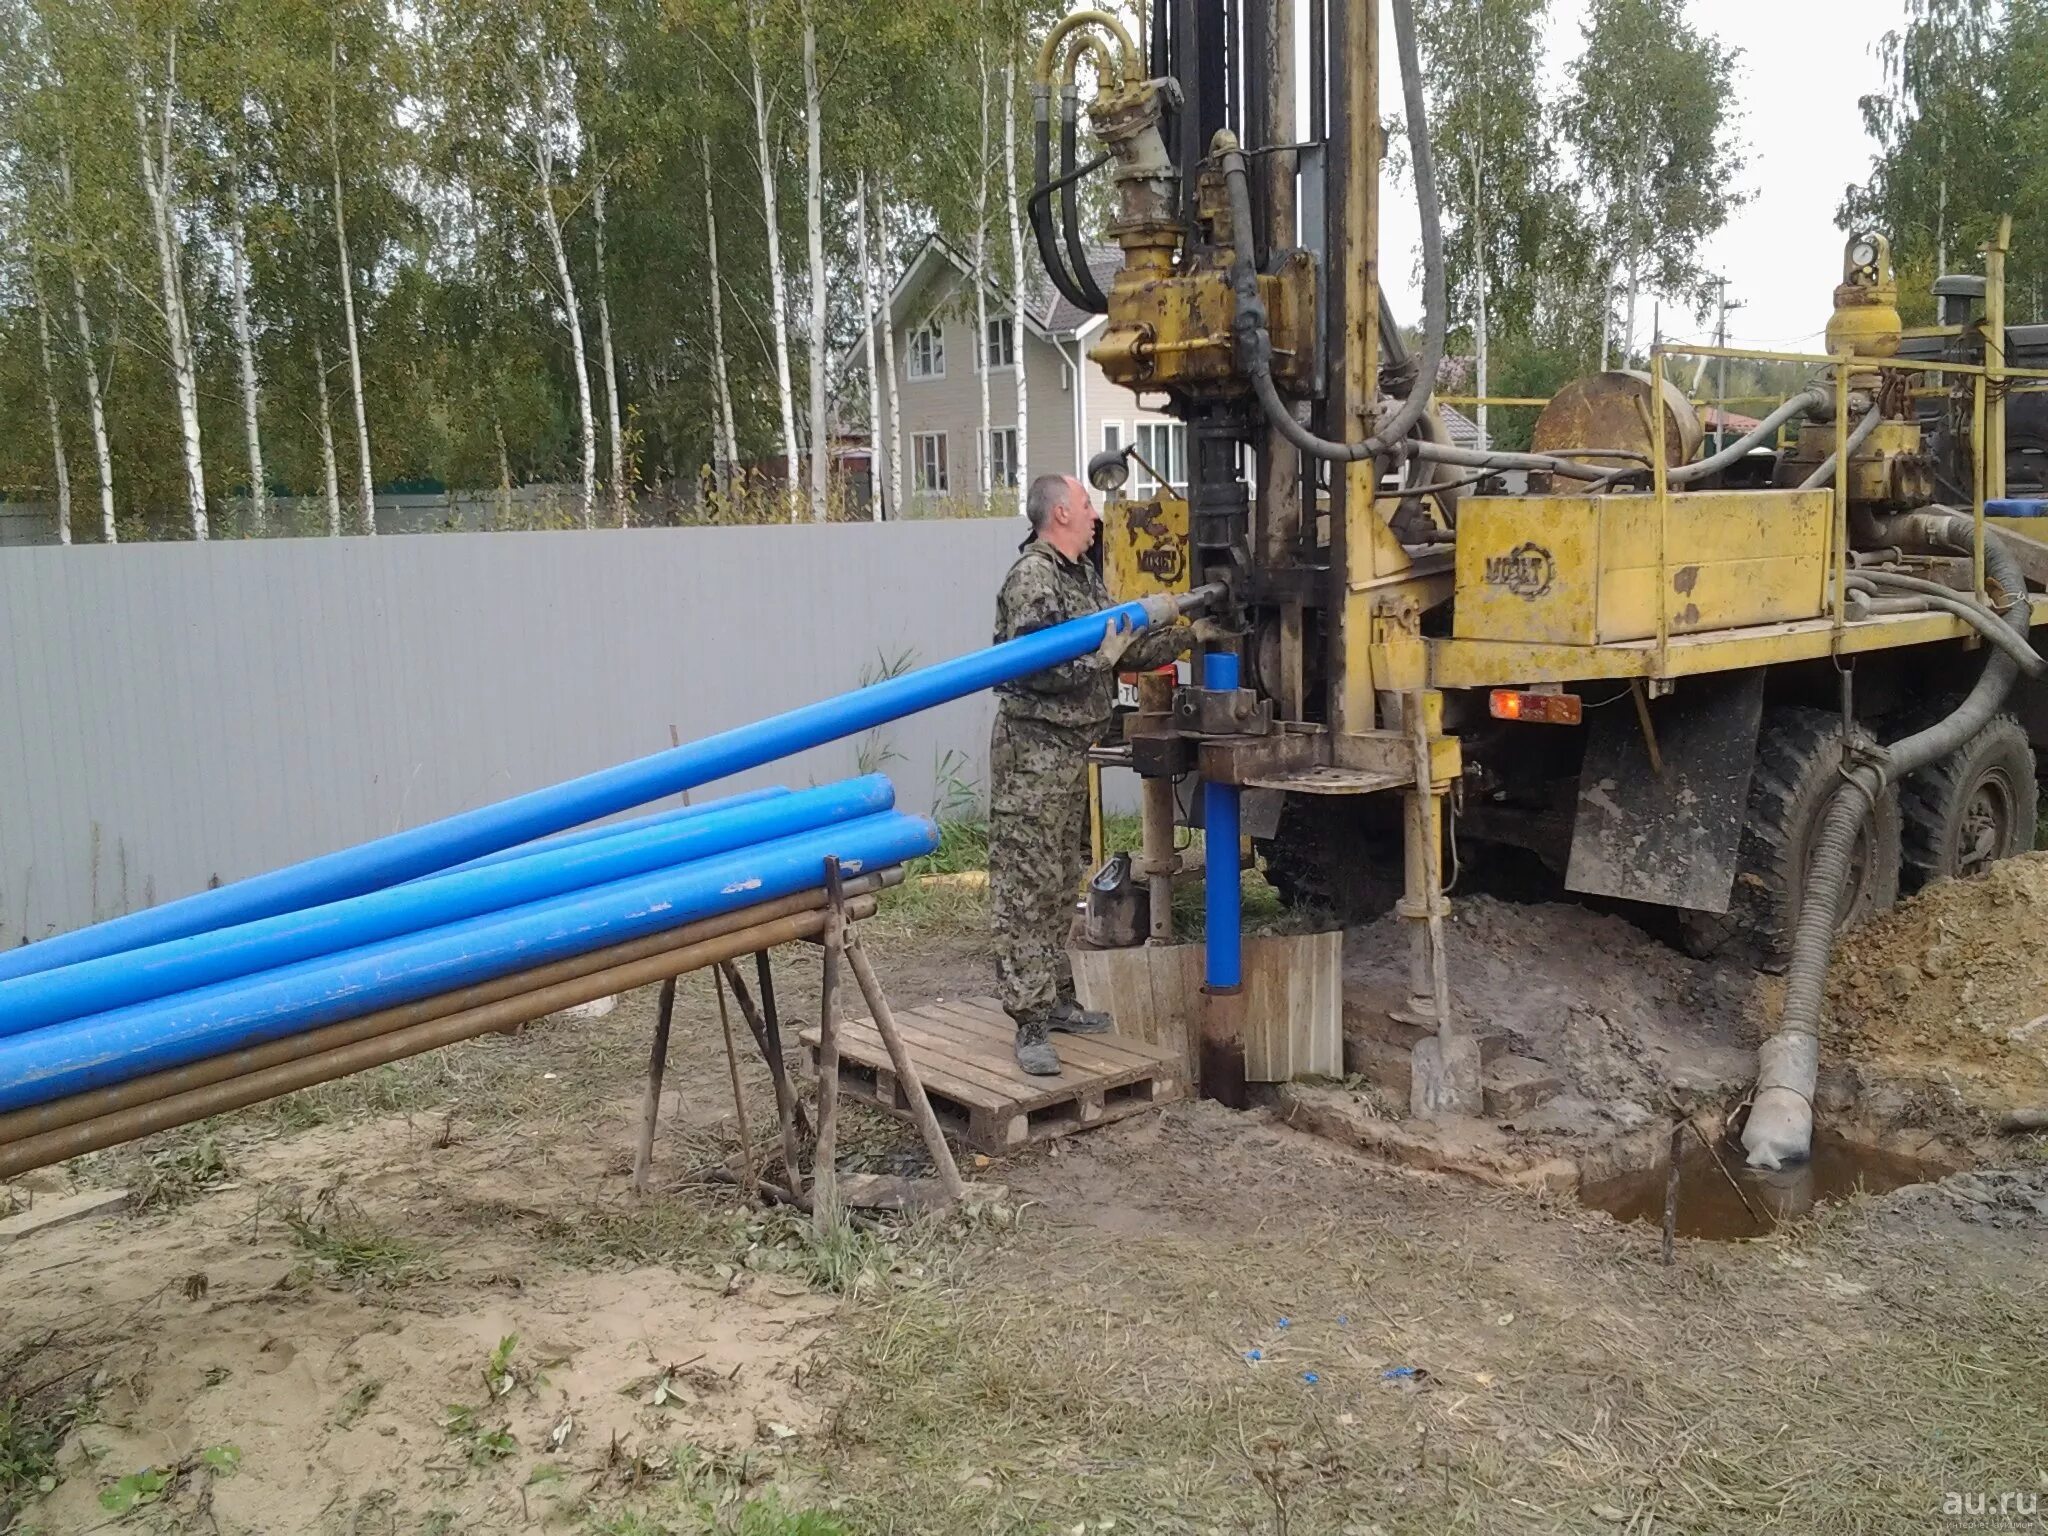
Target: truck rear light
1536,708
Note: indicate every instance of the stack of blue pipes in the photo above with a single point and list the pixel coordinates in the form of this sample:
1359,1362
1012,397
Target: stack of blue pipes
98,1022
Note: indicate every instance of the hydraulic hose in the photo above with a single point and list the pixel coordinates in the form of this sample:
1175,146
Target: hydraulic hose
1780,1124
1094,299
1255,343
1815,398
1042,190
1988,623
1824,472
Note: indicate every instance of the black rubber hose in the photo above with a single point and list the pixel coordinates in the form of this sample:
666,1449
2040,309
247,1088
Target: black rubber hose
1806,400
1780,1125
1041,200
1093,299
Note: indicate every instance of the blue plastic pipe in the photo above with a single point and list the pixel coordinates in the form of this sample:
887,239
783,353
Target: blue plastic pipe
201,959
614,828
70,1058
1223,882
2016,506
438,845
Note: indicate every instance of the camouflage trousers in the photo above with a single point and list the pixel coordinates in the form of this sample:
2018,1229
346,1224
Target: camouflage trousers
1037,847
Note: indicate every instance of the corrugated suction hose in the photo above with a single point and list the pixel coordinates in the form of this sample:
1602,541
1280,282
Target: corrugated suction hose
1780,1125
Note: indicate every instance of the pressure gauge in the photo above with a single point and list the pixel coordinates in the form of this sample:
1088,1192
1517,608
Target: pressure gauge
1863,253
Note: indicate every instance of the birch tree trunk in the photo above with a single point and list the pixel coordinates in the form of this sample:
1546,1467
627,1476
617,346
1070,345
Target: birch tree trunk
983,465
867,326
504,474
725,447
889,360
56,419
572,316
160,191
331,475
611,367
348,308
778,300
245,345
814,222
102,446
1020,293
1479,305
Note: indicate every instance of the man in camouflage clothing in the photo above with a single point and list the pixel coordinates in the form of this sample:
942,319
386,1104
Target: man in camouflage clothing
1038,774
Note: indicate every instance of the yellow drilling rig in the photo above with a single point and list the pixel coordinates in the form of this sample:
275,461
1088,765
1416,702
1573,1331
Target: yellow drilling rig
1819,675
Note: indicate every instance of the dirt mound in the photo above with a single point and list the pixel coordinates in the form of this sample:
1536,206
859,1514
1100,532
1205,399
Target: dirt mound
1620,1013
1951,987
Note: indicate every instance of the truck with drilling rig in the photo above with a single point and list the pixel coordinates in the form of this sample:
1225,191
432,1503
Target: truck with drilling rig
1749,707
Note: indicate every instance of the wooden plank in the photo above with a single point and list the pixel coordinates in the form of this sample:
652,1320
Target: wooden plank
1003,1080
1026,1091
962,1080
1153,992
54,1210
1116,1047
1091,1053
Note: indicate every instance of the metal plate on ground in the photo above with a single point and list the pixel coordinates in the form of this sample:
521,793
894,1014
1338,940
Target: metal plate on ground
1670,838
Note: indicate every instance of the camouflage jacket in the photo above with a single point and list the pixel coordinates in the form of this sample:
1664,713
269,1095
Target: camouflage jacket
1045,588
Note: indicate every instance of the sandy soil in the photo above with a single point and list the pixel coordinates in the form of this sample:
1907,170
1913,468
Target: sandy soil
329,1283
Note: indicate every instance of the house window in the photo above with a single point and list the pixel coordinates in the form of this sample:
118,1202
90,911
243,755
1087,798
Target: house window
1163,445
928,352
1002,456
1112,436
928,455
1000,349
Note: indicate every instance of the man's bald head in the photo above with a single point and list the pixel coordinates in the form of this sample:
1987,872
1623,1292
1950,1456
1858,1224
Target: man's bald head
1061,513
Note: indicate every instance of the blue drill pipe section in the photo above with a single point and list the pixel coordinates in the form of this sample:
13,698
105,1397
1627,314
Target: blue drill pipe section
1223,883
423,850
63,1059
202,959
2016,506
614,828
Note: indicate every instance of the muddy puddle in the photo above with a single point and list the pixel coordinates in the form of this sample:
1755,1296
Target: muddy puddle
1722,1199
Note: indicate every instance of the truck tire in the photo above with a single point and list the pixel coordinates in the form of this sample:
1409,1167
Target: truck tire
1798,757
1972,808
1339,854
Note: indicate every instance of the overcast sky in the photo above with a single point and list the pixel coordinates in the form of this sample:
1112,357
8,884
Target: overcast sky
1803,65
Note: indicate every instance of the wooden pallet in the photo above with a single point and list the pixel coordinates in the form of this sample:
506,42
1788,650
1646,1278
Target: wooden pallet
963,1055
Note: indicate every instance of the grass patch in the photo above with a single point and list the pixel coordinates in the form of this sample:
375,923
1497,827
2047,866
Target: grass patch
687,1491
349,1246
33,1428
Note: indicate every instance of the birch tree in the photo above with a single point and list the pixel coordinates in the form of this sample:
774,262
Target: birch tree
330,472
1647,113
245,349
862,259
611,368
63,468
1487,120
156,153
725,438
889,359
814,226
778,313
88,355
365,481
1020,282
984,480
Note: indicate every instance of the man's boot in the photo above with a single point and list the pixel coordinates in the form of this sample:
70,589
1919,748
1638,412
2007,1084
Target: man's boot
1034,1050
1070,1018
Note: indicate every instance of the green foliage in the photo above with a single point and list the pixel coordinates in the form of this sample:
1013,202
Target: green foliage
1647,114
1959,126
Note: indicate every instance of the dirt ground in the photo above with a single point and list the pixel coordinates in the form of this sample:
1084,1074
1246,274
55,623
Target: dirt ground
426,1300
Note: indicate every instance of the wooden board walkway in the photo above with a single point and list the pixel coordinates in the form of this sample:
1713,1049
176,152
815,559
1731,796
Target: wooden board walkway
962,1052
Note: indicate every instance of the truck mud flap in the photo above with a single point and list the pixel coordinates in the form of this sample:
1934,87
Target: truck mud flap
1671,839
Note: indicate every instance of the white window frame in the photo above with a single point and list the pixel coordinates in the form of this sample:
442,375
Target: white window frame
933,364
1003,469
1142,483
1008,324
931,477
1108,427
